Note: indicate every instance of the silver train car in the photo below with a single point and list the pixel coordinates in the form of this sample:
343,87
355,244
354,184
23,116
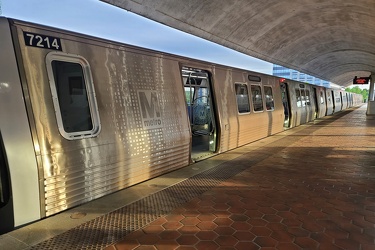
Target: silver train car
83,117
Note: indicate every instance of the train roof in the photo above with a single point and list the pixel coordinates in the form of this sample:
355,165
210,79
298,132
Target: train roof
124,46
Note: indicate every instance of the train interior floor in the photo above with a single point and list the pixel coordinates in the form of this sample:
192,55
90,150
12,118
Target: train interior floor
310,187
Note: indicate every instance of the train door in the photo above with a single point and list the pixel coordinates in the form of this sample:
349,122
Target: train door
285,100
310,105
342,101
329,102
6,203
304,109
19,183
347,100
350,100
321,102
317,104
198,93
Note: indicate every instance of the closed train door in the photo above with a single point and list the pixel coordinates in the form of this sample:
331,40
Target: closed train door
334,102
320,103
347,100
303,109
199,102
285,100
329,102
19,183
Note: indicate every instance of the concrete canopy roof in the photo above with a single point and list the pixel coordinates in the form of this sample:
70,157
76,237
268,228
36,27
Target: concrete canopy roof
330,39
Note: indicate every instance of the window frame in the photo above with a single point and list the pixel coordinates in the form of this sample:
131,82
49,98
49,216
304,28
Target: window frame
252,98
303,97
191,91
265,97
298,102
307,97
90,94
248,97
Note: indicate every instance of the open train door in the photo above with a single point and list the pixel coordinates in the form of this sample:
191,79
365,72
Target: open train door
6,202
285,100
317,104
199,102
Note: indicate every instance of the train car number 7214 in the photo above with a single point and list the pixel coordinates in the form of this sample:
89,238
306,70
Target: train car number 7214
42,41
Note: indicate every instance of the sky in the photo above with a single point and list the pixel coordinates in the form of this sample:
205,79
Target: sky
99,19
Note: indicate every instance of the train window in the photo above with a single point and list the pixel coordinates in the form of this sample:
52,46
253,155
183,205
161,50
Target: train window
73,95
189,94
298,98
321,97
242,97
256,93
303,100
329,97
269,98
307,98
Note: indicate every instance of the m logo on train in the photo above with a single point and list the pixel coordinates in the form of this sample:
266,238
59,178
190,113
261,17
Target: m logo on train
150,109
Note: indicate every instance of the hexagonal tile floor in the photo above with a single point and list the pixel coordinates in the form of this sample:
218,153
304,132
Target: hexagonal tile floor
315,192
311,187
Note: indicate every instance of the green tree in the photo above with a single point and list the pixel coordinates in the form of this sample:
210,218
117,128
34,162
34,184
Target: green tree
358,90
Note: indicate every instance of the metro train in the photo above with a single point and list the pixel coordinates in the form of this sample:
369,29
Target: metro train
82,117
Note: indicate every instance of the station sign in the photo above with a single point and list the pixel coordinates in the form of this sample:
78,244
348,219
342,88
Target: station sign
361,80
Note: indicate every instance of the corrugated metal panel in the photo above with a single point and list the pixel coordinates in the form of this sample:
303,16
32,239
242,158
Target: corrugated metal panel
128,150
240,129
256,126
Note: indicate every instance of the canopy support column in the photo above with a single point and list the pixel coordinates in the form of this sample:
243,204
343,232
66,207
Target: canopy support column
371,103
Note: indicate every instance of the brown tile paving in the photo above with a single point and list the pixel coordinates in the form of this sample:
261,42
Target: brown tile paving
148,239
246,246
153,229
244,236
224,230
276,227
287,246
261,231
206,217
146,248
185,248
313,190
188,230
187,240
306,243
207,225
347,244
207,245
190,221
265,241
226,240
166,245
223,221
282,236
207,235
169,235
241,226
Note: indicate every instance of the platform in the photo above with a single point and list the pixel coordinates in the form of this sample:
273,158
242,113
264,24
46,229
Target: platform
311,187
